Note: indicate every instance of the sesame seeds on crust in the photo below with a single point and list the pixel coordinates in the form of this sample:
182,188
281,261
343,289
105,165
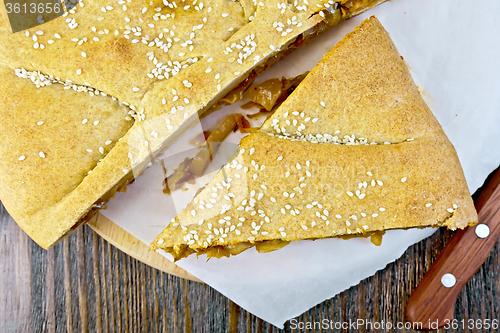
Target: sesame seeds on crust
171,48
306,215
325,176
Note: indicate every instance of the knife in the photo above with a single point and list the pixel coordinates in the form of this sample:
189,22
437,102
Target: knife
432,303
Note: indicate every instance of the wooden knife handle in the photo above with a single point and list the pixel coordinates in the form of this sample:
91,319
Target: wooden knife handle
433,304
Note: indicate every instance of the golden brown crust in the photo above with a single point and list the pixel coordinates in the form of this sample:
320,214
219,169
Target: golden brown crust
38,170
385,103
113,50
317,178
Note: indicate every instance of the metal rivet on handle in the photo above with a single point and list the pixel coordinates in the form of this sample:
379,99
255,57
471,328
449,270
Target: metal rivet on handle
448,280
482,231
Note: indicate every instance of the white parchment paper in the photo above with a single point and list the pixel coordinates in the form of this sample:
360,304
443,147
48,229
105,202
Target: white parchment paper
453,50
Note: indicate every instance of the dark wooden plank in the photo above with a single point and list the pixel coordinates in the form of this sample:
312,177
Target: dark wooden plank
97,283
82,280
15,276
50,291
85,282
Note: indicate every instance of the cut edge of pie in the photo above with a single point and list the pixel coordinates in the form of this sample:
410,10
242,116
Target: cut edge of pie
353,150
131,154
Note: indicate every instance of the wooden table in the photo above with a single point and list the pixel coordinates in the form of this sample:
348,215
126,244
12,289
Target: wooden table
84,284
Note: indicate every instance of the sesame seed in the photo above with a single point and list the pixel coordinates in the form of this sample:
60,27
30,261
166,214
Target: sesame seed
382,209
380,182
374,215
41,154
22,158
428,205
450,210
350,193
135,89
39,123
403,179
455,206
84,54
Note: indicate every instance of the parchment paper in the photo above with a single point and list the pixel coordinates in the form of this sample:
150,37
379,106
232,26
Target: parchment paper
453,49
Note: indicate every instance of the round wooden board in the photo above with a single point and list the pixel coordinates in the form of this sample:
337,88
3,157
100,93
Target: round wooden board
134,247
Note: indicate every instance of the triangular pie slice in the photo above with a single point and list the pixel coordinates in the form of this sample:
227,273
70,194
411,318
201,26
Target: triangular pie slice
353,150
90,97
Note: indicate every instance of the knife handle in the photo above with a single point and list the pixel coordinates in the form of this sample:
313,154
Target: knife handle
432,303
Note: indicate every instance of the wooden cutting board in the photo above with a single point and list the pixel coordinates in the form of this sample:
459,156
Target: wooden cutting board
127,243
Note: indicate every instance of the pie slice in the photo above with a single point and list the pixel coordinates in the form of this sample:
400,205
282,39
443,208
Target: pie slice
91,97
353,150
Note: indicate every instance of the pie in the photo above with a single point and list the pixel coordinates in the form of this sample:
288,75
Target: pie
352,151
91,97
